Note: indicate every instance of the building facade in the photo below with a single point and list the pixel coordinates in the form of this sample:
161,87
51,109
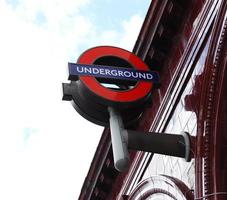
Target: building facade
186,42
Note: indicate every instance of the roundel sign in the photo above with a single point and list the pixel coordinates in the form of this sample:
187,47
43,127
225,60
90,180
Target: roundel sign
140,90
109,76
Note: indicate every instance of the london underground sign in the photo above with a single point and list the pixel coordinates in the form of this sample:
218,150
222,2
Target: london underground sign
91,98
119,106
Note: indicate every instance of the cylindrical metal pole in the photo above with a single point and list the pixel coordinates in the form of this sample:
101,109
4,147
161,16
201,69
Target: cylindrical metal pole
167,144
119,144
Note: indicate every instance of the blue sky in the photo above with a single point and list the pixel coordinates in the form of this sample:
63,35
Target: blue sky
46,147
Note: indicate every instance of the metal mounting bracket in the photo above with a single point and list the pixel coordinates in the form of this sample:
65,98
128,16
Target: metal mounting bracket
122,140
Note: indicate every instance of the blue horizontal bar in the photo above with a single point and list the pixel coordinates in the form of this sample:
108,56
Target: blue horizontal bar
111,72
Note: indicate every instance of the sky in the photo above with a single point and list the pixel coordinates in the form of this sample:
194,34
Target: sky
46,147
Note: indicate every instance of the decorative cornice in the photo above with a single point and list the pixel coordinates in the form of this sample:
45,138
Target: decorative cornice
215,71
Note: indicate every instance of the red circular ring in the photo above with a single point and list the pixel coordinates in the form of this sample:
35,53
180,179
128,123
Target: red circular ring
139,91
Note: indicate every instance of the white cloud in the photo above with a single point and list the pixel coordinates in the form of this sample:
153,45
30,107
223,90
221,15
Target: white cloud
125,37
131,31
55,10
53,163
